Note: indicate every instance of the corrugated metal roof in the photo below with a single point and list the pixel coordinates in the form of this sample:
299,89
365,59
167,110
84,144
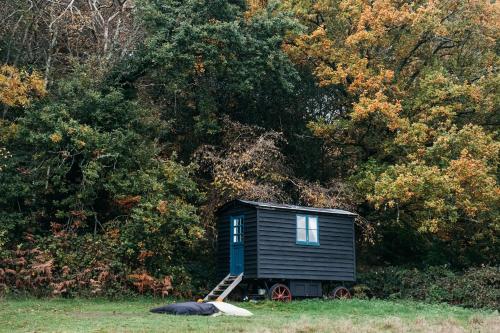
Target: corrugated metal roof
293,207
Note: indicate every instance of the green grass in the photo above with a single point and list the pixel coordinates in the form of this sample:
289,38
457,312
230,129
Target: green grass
83,315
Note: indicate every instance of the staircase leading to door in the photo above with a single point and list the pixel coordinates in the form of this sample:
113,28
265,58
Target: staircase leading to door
224,287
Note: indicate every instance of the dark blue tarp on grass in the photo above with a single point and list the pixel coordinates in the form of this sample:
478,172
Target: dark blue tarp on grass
187,308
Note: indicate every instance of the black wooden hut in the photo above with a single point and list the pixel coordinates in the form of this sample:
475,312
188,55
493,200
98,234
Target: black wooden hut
275,249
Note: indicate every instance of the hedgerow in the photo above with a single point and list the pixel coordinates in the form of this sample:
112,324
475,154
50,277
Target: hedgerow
476,287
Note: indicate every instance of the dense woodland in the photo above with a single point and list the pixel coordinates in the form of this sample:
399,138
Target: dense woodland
125,124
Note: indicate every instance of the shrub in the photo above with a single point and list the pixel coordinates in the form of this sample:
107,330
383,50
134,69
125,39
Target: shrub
89,205
475,287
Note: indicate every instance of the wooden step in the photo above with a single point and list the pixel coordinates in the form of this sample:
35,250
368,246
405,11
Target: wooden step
225,287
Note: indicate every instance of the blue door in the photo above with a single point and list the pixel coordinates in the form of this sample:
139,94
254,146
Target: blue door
236,245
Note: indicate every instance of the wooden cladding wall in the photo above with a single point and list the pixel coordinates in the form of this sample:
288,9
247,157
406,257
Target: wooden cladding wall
281,258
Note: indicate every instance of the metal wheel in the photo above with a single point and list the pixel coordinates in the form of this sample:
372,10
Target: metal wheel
340,292
280,292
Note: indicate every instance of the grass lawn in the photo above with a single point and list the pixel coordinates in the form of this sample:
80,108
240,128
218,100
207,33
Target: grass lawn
82,315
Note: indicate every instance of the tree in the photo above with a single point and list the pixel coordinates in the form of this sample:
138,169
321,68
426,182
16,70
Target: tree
249,164
203,60
409,81
50,35
86,171
17,88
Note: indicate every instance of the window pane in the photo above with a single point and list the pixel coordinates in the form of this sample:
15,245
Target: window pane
313,223
235,239
301,222
301,235
313,236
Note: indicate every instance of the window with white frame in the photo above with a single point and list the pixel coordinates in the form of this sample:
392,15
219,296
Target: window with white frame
307,230
237,225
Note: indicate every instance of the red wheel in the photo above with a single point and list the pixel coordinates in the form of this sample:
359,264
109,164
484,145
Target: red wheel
280,292
340,293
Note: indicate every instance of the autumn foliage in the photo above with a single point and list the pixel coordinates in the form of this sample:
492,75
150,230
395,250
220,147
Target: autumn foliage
423,119
125,126
17,88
